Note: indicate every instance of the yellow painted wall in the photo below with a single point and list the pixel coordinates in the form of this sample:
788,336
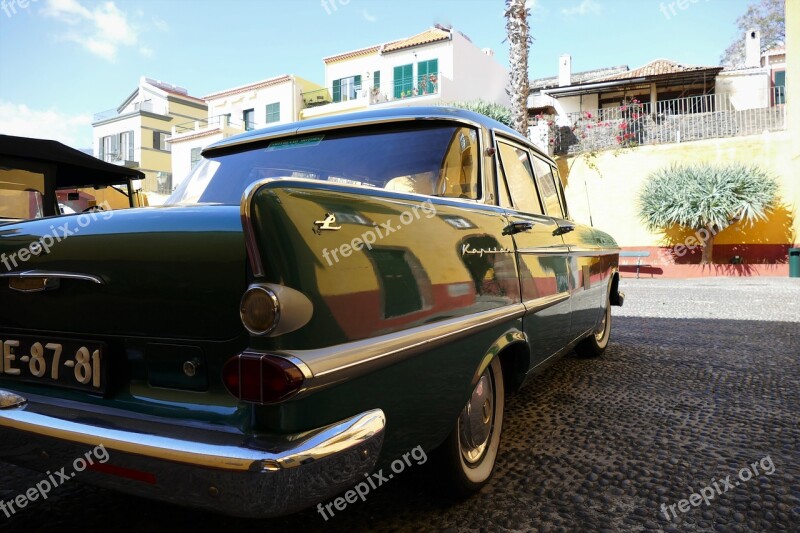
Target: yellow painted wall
793,97
612,196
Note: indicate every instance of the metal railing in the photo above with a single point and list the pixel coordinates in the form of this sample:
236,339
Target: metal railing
147,106
668,121
217,121
415,86
316,98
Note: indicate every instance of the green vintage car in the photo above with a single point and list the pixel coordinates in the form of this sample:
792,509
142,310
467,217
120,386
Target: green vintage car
316,302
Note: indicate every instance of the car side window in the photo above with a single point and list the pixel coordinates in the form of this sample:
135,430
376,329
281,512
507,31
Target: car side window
518,175
548,188
560,188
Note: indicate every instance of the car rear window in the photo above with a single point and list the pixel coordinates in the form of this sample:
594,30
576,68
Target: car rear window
436,160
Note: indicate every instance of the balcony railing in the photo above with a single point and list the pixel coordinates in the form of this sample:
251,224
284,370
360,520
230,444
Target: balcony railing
219,121
424,85
147,106
668,121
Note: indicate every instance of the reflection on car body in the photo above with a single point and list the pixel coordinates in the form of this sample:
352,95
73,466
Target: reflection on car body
246,373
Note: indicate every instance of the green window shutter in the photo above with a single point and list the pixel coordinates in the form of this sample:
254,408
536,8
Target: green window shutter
273,112
403,80
376,79
780,87
357,83
398,81
428,76
337,90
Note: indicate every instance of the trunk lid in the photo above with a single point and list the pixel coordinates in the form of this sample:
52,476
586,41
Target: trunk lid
175,272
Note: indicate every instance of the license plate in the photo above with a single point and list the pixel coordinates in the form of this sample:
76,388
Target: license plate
68,363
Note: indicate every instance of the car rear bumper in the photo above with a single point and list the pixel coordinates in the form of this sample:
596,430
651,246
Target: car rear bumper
243,475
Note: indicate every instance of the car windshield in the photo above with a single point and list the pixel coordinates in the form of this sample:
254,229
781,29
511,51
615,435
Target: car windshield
437,160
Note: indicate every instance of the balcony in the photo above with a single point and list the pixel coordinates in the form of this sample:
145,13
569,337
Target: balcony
121,159
667,121
354,97
147,106
223,123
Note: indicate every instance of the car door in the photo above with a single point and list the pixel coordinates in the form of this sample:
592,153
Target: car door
540,253
583,264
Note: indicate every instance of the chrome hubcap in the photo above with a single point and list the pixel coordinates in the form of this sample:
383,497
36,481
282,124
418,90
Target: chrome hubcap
476,420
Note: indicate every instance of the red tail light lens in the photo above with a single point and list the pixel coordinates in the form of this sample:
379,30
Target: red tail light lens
261,378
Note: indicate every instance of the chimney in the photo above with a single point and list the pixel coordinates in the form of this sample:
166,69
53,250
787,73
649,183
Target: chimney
564,70
752,49
488,51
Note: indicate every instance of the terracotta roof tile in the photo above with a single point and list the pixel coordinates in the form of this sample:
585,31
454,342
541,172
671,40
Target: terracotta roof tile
249,87
352,54
431,35
659,67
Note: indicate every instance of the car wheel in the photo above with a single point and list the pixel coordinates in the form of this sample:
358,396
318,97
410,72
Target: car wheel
471,449
595,344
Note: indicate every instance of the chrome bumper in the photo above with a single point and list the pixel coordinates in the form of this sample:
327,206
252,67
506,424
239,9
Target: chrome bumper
243,475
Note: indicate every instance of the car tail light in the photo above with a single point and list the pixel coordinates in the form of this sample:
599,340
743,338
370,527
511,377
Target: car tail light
261,378
260,310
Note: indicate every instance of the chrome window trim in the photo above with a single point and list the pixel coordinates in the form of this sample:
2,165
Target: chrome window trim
524,147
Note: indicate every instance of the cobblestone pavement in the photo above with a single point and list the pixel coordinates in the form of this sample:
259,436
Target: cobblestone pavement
700,381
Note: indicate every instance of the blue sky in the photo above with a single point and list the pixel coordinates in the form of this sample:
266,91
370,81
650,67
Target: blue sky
63,60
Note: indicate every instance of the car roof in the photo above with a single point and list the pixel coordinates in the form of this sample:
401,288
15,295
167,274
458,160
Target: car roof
364,118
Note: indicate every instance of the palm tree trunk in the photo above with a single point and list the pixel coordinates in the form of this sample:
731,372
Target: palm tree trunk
519,42
708,251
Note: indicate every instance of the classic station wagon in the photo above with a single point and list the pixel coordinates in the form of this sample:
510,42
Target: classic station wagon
315,300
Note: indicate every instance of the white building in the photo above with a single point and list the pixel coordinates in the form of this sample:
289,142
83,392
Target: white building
134,133
232,111
439,65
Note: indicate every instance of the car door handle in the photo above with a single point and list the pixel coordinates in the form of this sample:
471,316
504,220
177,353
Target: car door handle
561,230
517,227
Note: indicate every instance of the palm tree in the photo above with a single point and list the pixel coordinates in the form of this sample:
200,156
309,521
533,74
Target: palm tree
519,42
706,199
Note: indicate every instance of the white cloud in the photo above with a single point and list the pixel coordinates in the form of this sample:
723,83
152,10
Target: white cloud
367,16
146,51
160,24
101,31
586,7
19,119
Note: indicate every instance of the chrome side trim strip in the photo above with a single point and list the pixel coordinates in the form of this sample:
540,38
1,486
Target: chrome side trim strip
59,275
582,251
346,361
538,304
299,449
545,250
